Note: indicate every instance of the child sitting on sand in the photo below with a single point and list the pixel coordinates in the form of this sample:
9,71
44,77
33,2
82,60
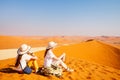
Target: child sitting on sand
25,58
50,59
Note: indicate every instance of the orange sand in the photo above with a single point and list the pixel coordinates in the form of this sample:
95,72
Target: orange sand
94,51
7,42
91,60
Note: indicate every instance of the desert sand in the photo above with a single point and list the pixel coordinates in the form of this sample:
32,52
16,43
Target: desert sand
91,59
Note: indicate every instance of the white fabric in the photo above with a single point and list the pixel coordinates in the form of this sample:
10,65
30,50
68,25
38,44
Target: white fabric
24,60
23,49
51,45
48,59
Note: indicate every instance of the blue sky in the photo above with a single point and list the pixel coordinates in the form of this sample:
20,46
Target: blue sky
60,17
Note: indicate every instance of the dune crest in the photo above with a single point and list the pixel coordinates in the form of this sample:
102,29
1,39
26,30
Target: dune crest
94,51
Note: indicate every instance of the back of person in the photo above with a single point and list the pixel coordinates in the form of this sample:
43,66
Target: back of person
48,58
52,64
24,60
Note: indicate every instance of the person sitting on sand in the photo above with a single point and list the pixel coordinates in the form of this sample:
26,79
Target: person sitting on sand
50,59
25,58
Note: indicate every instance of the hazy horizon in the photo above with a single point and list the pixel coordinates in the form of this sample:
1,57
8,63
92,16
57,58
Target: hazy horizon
60,17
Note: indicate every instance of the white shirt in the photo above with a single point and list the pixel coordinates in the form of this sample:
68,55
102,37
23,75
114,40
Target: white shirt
48,58
25,58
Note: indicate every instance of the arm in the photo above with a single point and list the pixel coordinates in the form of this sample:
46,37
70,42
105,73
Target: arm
55,58
51,55
34,58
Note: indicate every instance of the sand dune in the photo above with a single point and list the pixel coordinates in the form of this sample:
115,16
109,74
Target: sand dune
94,51
83,71
8,42
91,60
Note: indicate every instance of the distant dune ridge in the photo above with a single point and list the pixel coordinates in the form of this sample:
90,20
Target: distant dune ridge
7,42
91,59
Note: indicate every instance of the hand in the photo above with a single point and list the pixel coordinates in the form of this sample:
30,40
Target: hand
36,57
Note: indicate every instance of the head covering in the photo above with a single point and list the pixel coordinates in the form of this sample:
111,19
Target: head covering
24,48
51,44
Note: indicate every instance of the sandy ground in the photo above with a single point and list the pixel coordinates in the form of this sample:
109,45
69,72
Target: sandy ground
84,70
91,60
11,53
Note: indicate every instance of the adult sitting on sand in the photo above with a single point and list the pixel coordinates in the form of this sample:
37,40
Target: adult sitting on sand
50,59
25,58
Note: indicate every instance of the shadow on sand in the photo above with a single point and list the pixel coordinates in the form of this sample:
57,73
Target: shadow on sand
8,70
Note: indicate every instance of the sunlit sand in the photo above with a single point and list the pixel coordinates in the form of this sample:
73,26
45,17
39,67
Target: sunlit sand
91,60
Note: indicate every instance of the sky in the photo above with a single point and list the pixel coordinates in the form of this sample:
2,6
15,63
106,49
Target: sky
60,17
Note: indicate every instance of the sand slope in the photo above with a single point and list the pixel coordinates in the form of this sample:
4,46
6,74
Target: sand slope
83,71
88,59
94,51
